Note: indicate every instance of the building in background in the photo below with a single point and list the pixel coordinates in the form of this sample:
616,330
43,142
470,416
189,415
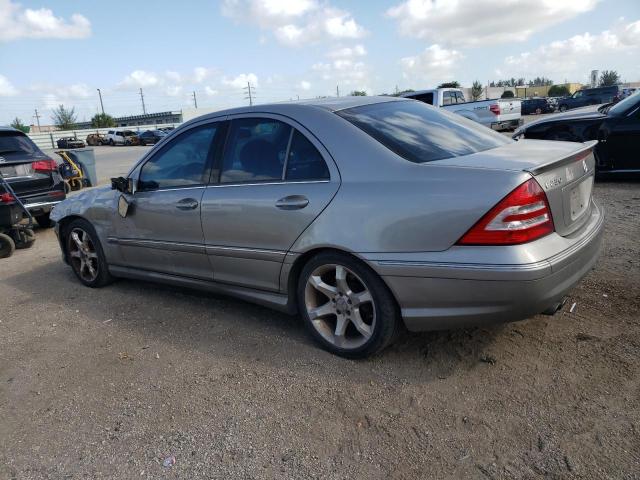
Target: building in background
159,118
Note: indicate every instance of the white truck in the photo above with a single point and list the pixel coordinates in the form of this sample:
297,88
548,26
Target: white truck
499,114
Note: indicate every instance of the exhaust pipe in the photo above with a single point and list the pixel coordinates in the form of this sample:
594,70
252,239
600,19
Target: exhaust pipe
555,308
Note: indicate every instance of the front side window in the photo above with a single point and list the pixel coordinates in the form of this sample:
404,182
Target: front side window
181,163
422,134
460,97
305,161
255,151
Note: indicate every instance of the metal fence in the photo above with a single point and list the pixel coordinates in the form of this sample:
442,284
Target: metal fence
48,139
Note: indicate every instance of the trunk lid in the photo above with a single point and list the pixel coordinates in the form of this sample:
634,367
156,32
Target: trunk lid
564,170
17,156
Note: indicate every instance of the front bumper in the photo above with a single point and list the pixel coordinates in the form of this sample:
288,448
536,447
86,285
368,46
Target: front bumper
443,295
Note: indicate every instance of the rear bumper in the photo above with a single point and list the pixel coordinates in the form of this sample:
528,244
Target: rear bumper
508,124
437,296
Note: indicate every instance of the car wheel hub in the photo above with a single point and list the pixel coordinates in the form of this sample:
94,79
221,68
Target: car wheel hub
82,255
340,306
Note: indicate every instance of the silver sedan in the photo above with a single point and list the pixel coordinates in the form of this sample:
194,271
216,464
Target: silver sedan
363,214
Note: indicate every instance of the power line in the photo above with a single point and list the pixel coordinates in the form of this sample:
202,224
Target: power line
37,118
144,109
249,95
101,105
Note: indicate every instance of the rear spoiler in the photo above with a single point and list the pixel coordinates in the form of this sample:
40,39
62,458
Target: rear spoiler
585,149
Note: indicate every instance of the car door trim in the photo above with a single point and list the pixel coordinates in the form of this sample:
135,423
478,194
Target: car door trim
242,252
158,244
279,182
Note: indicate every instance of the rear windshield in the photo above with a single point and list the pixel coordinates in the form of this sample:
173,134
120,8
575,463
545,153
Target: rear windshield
13,142
421,133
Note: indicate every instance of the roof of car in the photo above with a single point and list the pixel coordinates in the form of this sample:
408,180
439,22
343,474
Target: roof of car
332,104
9,129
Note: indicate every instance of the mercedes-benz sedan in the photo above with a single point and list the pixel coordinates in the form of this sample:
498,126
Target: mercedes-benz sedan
363,214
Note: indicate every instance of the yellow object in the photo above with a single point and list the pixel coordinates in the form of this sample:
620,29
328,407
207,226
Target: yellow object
75,182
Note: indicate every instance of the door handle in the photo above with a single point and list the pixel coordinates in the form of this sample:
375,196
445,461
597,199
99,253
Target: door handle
292,202
187,204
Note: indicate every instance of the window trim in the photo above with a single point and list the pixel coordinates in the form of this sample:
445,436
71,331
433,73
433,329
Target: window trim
206,173
295,126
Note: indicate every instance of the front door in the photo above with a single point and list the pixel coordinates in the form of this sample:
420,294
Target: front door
273,182
162,231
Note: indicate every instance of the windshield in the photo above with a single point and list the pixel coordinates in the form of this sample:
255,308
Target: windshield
11,142
623,105
421,133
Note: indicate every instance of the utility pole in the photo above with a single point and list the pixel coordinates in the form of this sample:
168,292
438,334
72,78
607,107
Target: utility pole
337,90
396,89
249,94
144,109
195,100
101,105
37,119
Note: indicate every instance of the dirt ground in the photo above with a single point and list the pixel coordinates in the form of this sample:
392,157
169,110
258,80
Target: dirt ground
109,383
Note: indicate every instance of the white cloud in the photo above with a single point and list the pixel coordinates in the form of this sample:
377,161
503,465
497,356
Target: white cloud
482,22
200,74
573,58
141,78
304,85
17,22
6,88
210,91
295,22
434,65
347,52
241,80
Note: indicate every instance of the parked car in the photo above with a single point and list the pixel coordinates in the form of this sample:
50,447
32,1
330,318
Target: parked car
500,114
358,212
589,96
536,105
94,139
32,175
150,137
70,142
616,127
122,137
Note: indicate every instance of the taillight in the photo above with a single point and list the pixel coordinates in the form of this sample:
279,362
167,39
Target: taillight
44,166
495,108
6,198
522,216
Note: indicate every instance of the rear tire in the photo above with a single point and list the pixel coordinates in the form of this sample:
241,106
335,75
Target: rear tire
44,221
563,108
85,254
346,306
7,246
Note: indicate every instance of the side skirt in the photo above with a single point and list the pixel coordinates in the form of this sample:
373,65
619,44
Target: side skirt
277,301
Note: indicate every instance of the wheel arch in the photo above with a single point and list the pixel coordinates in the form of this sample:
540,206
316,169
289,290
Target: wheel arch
292,276
61,227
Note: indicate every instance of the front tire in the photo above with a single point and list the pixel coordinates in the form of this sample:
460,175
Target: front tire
346,306
85,254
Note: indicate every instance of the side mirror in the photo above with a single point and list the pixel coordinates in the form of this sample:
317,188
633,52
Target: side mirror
124,185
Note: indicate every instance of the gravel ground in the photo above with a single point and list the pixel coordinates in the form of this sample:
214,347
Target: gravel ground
109,383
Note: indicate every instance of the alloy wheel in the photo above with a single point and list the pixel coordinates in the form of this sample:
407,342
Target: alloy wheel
340,306
83,255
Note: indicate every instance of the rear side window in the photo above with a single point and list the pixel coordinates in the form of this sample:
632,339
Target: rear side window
14,142
256,150
446,98
305,161
424,97
420,133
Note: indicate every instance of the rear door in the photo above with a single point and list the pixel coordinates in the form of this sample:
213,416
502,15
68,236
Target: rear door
274,179
620,145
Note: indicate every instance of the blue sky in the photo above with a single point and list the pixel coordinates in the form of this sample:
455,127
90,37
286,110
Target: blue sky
54,52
